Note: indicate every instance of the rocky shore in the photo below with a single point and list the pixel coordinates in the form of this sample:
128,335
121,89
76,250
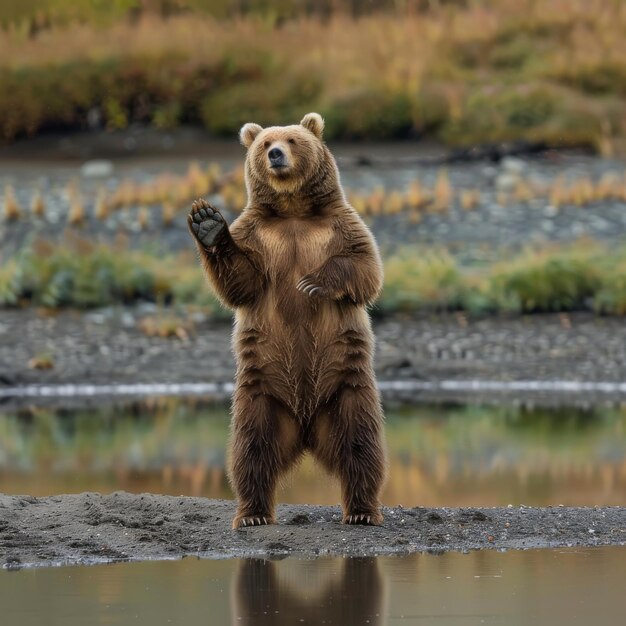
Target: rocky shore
91,528
108,347
490,230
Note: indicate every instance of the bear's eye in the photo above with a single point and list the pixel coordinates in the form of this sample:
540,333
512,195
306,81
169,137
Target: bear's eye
291,140
266,145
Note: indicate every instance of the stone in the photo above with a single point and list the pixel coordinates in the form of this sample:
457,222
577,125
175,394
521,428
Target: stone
506,181
97,168
513,165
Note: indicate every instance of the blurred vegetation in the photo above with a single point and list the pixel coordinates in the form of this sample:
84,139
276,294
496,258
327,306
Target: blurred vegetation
459,71
83,275
439,455
34,15
577,277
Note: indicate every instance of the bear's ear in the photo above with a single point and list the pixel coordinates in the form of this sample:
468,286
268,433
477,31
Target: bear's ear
314,123
248,134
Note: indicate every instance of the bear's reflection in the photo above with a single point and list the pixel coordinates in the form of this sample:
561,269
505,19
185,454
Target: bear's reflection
326,591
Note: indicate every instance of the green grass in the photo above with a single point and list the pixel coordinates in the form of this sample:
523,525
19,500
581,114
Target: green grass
83,276
584,276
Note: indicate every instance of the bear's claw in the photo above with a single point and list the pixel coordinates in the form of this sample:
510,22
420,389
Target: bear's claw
362,518
205,222
308,286
254,520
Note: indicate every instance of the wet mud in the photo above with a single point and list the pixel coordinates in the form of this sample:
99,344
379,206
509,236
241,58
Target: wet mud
92,528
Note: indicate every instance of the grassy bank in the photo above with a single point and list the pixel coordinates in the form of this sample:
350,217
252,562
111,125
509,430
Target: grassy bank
581,276
458,72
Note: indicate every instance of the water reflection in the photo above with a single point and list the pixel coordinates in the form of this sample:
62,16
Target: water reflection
265,595
453,456
538,587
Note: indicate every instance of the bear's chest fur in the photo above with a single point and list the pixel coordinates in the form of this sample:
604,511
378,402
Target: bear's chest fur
292,247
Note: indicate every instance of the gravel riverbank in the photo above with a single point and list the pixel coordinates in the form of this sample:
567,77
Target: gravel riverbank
492,229
92,528
108,347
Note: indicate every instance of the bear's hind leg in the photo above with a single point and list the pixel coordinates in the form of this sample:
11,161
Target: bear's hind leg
349,442
265,443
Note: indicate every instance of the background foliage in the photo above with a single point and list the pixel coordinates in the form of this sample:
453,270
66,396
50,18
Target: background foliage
460,72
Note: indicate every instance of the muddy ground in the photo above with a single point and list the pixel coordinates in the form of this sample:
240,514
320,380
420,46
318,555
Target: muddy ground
90,528
108,347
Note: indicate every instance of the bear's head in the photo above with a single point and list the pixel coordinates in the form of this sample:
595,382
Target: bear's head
288,160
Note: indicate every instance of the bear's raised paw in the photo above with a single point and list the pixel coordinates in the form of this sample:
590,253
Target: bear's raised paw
205,223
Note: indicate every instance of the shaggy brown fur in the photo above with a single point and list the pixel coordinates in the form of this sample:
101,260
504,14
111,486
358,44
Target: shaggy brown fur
298,267
265,593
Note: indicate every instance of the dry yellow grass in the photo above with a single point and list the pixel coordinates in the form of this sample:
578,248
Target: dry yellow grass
42,361
12,210
376,200
164,326
168,213
405,45
175,193
199,180
37,205
442,193
447,51
415,217
557,193
416,196
358,203
394,203
470,199
76,215
143,217
101,210
581,192
523,192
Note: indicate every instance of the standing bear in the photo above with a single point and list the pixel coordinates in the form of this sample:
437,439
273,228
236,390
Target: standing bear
299,268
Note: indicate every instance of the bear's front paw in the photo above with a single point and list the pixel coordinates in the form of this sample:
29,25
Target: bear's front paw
205,223
311,286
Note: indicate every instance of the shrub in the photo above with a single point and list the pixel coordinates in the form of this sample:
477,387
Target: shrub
77,274
369,114
429,281
611,296
500,115
547,282
600,78
451,72
284,102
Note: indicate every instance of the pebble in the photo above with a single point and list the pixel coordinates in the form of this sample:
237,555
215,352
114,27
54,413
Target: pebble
97,168
506,182
513,165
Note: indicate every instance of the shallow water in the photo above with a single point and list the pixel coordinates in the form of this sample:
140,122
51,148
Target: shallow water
439,456
537,587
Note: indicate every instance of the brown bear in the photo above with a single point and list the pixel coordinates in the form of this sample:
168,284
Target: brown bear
299,268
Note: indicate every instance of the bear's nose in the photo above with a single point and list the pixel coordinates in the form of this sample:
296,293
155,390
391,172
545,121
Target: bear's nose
275,154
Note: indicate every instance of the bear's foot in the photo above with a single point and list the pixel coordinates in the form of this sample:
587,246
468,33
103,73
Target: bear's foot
205,223
366,519
241,521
